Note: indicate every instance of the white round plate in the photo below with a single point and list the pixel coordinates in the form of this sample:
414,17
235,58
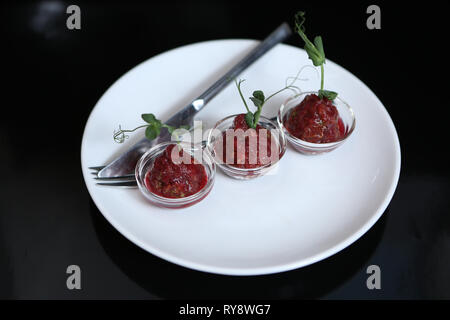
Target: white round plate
307,209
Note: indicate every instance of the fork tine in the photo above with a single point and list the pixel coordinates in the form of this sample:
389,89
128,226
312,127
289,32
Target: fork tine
130,177
97,168
128,184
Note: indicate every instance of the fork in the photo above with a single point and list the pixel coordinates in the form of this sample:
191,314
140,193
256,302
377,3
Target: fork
126,181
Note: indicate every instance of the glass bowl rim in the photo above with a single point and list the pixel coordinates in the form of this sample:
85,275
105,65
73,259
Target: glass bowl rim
228,167
184,200
312,144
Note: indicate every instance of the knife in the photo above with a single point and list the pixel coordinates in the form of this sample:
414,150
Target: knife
126,163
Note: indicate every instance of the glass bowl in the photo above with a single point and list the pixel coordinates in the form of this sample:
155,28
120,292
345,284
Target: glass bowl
145,164
345,112
245,173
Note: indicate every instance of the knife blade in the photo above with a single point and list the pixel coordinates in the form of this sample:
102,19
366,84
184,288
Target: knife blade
126,162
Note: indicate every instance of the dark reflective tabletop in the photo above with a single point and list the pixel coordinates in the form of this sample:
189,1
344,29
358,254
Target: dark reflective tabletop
53,76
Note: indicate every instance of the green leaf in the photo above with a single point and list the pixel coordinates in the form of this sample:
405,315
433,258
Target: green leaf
258,98
257,102
152,132
330,95
186,127
249,118
258,94
149,117
319,45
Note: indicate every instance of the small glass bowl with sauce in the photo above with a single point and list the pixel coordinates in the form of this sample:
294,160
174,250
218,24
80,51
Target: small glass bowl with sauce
250,170
146,164
310,148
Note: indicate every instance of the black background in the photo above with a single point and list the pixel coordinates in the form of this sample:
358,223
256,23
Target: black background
52,78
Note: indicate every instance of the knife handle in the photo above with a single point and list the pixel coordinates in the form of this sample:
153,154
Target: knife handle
278,35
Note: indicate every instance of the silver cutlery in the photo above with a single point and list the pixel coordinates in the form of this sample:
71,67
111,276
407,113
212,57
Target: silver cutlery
122,167
127,180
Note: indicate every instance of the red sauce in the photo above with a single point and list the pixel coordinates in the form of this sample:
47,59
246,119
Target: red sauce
249,157
315,120
171,180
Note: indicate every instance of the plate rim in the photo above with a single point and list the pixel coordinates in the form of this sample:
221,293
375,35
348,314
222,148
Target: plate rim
253,271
